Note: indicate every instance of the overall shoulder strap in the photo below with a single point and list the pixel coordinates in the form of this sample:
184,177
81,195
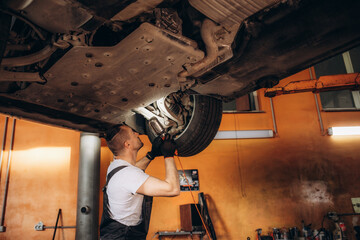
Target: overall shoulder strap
112,173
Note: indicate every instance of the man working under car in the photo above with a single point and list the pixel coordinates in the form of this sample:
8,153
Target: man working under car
126,212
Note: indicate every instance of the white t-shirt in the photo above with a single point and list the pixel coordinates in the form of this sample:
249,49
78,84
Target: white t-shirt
125,204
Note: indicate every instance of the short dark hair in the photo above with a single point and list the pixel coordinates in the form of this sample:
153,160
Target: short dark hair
115,138
111,132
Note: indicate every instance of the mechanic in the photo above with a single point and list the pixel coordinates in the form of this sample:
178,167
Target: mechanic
129,190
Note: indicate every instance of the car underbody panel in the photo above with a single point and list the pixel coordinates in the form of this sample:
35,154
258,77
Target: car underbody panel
105,83
284,40
92,65
230,12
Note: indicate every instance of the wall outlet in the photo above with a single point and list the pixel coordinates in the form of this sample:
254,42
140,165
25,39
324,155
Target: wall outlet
356,204
2,228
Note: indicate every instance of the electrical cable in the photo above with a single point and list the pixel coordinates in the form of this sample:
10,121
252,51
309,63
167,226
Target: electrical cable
322,229
197,209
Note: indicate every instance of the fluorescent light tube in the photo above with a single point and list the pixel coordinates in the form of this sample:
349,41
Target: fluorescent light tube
344,131
244,134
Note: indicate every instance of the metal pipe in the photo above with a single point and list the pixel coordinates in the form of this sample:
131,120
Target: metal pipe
50,227
20,47
208,29
29,59
88,187
41,227
319,114
273,116
6,76
7,177
3,141
347,214
317,106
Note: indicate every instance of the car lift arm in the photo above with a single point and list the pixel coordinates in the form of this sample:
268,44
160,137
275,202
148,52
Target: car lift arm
324,83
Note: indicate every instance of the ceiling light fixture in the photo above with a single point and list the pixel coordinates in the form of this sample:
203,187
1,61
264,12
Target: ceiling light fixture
244,134
344,131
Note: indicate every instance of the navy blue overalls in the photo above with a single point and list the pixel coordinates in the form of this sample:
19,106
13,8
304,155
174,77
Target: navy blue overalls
111,229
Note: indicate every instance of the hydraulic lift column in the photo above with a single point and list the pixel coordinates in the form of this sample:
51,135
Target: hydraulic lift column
87,215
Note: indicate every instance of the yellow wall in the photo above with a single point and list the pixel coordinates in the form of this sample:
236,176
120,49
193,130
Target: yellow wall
257,183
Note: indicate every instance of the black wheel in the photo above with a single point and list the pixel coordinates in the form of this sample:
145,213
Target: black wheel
5,22
202,127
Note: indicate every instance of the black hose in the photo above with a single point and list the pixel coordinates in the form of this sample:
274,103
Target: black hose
56,225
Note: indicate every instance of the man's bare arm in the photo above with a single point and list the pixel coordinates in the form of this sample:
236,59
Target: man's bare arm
160,188
143,163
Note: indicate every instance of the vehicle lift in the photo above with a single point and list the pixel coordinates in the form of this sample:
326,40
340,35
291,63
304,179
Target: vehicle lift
325,83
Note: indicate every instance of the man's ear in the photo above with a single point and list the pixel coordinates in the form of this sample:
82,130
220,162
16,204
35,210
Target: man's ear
126,144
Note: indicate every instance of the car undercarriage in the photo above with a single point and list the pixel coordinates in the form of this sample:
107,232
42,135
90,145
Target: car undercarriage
89,65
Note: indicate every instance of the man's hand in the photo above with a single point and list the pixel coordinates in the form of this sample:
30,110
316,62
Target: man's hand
171,185
168,147
155,149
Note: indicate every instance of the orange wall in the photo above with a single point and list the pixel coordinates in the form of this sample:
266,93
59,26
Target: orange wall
43,178
257,183
263,183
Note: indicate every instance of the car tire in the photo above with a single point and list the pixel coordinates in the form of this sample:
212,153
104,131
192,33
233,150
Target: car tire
201,129
5,22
